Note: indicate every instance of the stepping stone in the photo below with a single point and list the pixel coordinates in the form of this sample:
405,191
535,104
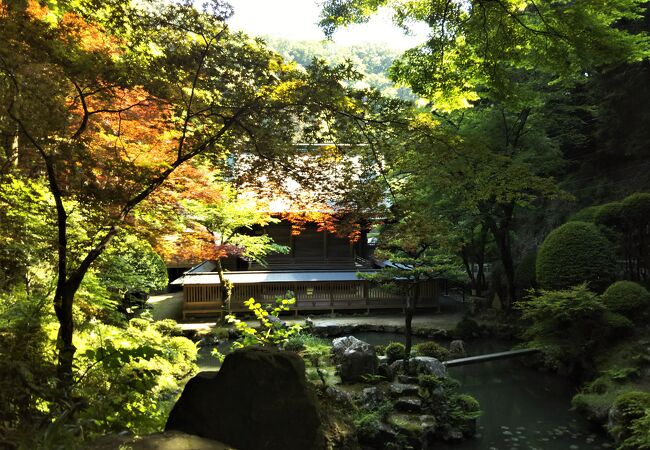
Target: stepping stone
408,404
401,389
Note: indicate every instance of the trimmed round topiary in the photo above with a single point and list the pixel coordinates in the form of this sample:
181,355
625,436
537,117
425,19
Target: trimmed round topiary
636,208
395,351
432,349
575,253
587,214
627,298
610,215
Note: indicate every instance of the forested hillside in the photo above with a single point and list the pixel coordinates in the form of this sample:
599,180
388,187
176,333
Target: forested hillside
372,60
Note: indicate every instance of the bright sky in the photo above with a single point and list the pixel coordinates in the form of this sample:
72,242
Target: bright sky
297,19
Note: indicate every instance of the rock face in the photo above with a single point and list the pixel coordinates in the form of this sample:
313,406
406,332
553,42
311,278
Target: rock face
457,349
421,364
357,358
259,400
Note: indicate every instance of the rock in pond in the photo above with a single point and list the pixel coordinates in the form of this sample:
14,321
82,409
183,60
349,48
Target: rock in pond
421,364
357,358
259,400
457,349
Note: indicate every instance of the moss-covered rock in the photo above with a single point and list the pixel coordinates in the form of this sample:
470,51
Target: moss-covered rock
432,349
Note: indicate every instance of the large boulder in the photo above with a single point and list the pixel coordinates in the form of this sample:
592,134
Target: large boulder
259,400
427,365
356,358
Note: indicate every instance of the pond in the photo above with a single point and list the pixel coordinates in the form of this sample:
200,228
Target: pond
522,407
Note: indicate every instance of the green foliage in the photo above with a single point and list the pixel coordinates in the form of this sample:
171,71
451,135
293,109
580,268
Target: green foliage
587,214
429,382
131,377
610,215
467,57
25,235
575,253
130,263
433,349
628,298
368,422
380,350
271,332
167,327
394,351
230,221
469,407
636,209
639,438
632,412
569,326
467,329
27,366
301,341
128,377
370,60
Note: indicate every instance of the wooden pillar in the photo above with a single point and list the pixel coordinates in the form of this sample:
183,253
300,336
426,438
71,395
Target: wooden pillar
365,295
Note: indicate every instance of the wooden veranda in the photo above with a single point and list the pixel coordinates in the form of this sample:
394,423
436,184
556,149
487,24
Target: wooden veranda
314,291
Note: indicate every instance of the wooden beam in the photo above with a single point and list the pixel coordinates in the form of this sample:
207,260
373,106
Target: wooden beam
490,357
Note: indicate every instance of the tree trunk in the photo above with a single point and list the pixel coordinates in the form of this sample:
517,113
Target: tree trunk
411,301
501,233
63,302
225,288
473,282
503,244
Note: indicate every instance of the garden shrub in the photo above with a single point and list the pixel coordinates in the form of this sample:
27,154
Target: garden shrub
610,215
467,329
168,327
639,434
569,326
617,322
368,421
636,208
587,214
432,349
380,350
627,297
270,333
574,253
395,351
301,341
630,410
131,377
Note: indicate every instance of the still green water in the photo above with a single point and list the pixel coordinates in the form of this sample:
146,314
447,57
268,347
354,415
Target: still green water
523,409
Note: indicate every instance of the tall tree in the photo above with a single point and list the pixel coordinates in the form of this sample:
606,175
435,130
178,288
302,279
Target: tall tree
492,66
112,100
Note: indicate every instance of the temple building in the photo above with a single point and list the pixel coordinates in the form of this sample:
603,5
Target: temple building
321,269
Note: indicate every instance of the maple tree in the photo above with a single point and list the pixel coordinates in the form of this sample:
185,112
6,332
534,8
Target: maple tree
111,101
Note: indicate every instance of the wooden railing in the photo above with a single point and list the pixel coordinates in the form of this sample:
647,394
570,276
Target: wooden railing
312,296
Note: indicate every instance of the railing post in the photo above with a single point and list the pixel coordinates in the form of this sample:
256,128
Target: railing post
366,298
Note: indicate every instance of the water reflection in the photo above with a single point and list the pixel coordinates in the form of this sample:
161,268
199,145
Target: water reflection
523,409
